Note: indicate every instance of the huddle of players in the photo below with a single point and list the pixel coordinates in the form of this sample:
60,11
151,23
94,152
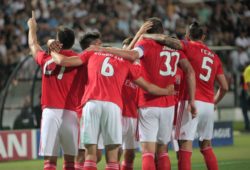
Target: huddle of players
106,85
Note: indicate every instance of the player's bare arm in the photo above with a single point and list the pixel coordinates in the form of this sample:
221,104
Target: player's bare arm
221,79
166,40
190,78
66,61
146,26
130,55
154,89
32,37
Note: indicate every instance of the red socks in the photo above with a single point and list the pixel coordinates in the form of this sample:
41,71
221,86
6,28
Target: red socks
49,165
112,166
89,165
163,162
148,161
79,165
127,166
184,161
210,158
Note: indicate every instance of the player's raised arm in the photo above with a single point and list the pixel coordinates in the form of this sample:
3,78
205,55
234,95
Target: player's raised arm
66,61
131,55
223,88
146,26
32,37
166,40
154,89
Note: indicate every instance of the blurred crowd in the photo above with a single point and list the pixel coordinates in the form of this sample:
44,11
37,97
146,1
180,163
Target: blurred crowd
227,23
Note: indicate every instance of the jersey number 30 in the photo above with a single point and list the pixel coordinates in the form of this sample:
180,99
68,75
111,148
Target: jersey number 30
205,66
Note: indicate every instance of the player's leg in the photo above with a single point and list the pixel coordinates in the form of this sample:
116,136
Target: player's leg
148,129
100,148
69,138
111,129
80,158
129,126
91,131
164,136
205,132
186,129
49,139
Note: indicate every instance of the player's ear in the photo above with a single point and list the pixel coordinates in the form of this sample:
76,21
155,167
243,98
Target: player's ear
203,37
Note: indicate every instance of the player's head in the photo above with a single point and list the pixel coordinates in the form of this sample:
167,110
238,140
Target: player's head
126,42
66,36
90,38
157,26
195,32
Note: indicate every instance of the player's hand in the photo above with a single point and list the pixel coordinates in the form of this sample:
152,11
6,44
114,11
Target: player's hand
192,109
54,45
32,22
146,26
170,90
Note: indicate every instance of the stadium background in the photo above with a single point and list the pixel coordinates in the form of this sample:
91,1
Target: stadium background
228,33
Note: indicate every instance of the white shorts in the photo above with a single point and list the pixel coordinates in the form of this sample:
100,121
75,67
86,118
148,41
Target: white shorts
81,145
59,127
129,127
203,123
155,124
101,117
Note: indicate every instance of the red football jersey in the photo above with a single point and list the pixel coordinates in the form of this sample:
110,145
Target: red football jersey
206,65
130,99
159,66
106,76
62,87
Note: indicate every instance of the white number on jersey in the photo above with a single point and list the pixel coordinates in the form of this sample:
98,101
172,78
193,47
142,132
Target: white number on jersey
204,65
49,72
107,68
170,71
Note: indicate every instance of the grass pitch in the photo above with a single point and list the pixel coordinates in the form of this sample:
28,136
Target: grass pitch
236,157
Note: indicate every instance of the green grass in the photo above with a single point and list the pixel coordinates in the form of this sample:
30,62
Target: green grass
236,157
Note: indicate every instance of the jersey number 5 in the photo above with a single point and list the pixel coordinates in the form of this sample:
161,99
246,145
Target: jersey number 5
205,66
107,69
49,72
169,55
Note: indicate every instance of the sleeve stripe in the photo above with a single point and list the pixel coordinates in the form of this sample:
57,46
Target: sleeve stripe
140,51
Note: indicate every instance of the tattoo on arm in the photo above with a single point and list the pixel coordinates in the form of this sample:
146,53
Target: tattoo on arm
165,40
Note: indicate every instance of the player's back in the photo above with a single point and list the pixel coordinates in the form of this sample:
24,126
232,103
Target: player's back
206,65
130,98
159,66
106,76
62,87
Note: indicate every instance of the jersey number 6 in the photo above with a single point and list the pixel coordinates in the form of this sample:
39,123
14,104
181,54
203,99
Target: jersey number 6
107,69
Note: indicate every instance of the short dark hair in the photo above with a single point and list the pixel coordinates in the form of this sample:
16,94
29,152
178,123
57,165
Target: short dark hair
88,38
66,36
157,26
196,31
127,41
